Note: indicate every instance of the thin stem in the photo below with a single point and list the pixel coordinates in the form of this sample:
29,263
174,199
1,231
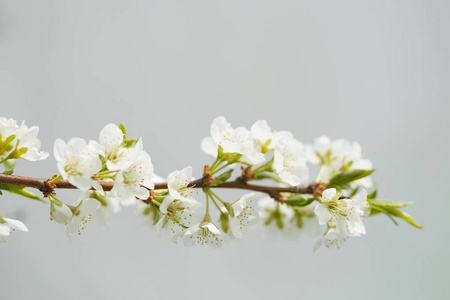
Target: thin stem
224,166
56,179
217,205
217,197
106,172
207,201
215,163
5,159
319,176
104,176
264,167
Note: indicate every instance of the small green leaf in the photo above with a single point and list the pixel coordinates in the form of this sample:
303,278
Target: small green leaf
391,209
9,139
376,210
388,203
373,195
222,178
130,143
122,128
348,176
299,200
20,190
404,216
354,191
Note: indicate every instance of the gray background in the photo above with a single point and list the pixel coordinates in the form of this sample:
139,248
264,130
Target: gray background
372,71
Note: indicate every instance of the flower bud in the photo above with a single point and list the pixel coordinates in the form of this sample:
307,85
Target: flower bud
60,212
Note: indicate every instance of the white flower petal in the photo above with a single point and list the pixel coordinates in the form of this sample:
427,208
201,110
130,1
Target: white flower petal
328,194
322,213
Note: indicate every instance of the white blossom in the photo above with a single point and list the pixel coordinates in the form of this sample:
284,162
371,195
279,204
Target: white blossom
203,233
339,155
345,215
245,213
82,214
178,215
232,140
77,163
290,161
324,151
111,146
266,137
6,225
25,139
134,181
177,183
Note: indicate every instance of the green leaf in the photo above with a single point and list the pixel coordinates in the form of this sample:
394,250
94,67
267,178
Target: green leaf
376,210
265,175
222,178
299,200
20,190
130,143
122,128
373,195
391,209
354,191
404,216
9,139
388,203
348,176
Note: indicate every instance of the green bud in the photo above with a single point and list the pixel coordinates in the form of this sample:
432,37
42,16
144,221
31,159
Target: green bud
222,178
224,222
10,164
299,200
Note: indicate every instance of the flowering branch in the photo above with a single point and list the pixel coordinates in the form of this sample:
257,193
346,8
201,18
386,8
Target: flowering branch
42,185
116,172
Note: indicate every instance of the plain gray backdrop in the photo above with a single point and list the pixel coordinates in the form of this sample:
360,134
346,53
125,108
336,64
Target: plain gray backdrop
372,71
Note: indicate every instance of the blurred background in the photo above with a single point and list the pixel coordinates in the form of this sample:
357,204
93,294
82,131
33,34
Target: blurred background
375,71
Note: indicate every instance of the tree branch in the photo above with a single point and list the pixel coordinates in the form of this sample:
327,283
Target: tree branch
42,185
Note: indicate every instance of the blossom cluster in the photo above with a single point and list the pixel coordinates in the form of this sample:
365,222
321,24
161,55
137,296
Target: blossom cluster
116,172
288,166
16,142
19,141
87,165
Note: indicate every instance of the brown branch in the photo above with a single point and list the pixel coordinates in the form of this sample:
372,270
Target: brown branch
42,185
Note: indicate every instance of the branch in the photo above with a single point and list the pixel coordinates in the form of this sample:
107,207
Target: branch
42,185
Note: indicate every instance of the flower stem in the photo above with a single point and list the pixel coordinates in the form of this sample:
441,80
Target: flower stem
218,207
207,202
105,172
219,169
319,176
56,179
217,197
215,163
265,167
